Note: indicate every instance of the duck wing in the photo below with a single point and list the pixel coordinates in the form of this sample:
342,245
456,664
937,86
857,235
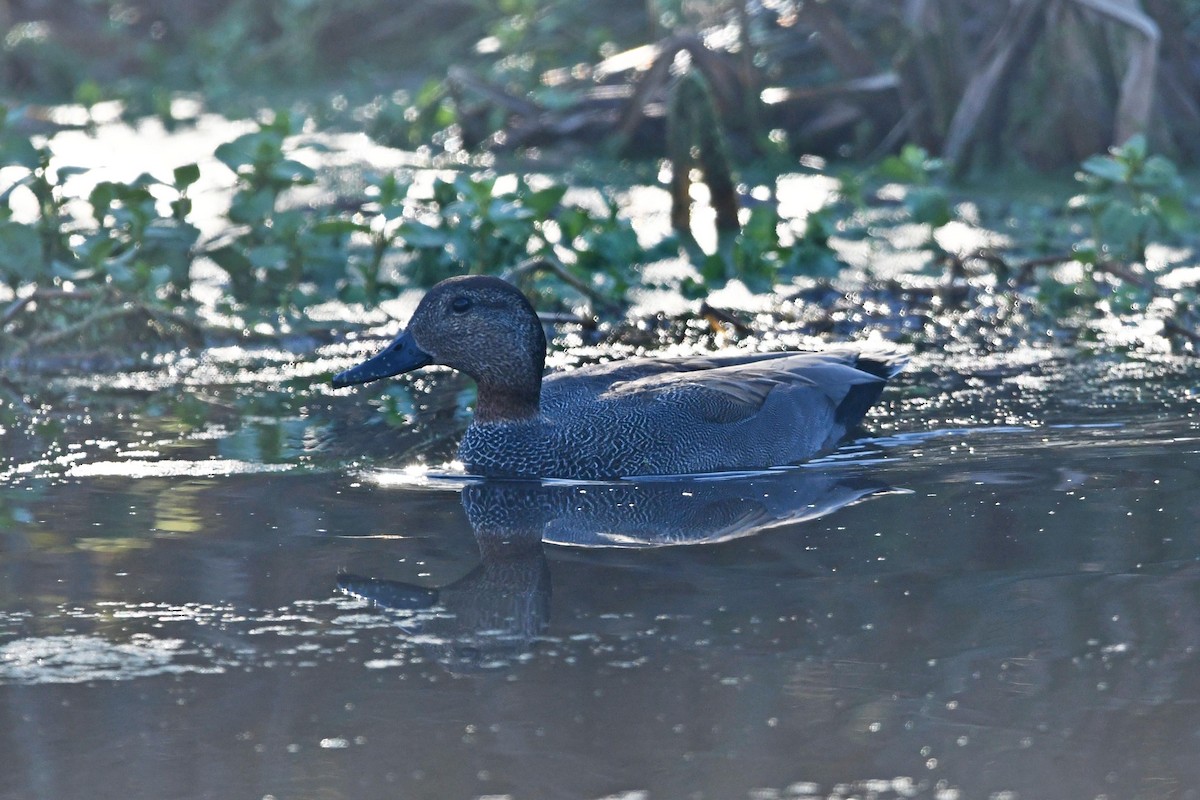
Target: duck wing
732,389
590,382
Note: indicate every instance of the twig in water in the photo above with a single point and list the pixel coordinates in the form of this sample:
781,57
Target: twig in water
1173,328
552,265
717,315
52,338
1118,270
38,295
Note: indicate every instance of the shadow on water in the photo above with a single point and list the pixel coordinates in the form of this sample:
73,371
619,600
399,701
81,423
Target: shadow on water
495,612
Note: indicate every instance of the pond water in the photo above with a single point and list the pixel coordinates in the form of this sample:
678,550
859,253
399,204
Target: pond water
220,579
994,593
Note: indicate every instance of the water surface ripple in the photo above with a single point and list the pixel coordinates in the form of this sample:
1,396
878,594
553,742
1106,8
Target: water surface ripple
996,590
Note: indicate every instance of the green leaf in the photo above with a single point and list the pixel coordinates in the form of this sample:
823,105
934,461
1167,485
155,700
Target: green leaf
62,173
160,276
173,235
762,226
317,147
1159,175
286,225
444,192
145,181
544,201
230,258
101,199
18,151
420,235
430,92
96,249
1134,149
268,256
88,93
241,152
391,193
502,210
21,253
5,210
713,270
292,172
279,127
392,212
340,227
572,221
929,205
818,227
912,165
1106,168
121,272
252,208
1173,213
1085,255
186,175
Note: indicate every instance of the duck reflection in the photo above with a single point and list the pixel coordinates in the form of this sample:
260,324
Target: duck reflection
494,613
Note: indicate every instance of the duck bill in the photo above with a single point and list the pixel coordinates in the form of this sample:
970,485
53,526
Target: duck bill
402,355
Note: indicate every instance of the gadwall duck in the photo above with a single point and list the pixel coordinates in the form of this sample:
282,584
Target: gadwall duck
654,416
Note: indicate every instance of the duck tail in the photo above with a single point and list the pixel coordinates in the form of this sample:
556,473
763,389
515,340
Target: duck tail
881,363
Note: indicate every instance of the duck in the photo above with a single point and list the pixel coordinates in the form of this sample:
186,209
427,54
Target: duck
639,417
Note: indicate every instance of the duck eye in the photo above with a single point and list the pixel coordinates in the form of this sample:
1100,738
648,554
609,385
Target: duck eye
460,304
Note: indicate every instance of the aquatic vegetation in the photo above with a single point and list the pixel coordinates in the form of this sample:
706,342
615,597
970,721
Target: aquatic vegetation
1131,197
467,226
926,199
275,249
26,248
119,277
724,92
752,251
131,247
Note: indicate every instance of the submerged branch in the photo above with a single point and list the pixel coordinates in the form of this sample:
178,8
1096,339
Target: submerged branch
556,267
166,323
91,321
1173,328
38,295
718,316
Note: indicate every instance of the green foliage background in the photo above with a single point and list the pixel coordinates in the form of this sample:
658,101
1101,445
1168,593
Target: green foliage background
367,65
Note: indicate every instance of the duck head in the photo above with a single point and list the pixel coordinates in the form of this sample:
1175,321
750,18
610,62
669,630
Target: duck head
479,325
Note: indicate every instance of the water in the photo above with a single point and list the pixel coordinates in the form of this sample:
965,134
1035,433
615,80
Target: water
219,579
995,594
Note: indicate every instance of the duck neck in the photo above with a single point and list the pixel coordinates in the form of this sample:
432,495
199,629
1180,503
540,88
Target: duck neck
509,545
509,401
510,388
